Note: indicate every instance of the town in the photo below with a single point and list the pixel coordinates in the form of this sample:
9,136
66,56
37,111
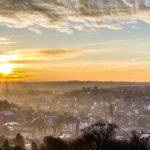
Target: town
66,114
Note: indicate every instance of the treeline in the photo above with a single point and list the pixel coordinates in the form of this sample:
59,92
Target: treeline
17,143
98,136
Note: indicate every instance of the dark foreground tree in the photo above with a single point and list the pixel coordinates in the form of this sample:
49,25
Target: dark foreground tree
98,135
34,146
77,144
139,143
19,141
6,145
17,148
52,143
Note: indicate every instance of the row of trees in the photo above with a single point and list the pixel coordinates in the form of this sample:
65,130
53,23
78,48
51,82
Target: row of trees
17,143
98,136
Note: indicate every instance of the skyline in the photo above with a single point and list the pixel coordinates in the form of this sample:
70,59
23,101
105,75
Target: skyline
61,40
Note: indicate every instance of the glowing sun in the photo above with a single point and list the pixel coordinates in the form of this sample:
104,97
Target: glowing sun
5,68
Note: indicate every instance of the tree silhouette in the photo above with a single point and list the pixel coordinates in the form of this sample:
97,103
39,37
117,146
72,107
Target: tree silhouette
77,144
51,143
17,148
139,143
6,145
34,146
19,141
99,134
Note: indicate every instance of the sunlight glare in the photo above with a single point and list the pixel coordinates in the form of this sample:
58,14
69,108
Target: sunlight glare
5,68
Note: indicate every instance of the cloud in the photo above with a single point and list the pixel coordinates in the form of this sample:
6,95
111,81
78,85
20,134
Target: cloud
111,42
47,54
139,70
79,27
56,53
145,58
16,76
135,27
64,15
27,56
5,41
63,29
102,50
35,30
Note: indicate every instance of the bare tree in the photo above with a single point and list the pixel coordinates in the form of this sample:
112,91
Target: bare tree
100,133
139,143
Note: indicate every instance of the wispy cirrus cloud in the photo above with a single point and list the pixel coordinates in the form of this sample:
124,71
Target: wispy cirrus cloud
111,42
30,56
34,56
5,41
62,15
35,30
46,53
135,27
145,58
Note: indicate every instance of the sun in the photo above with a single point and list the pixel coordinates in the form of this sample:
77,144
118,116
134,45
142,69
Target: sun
5,68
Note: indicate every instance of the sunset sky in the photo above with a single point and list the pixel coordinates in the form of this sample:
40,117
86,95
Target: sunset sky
60,40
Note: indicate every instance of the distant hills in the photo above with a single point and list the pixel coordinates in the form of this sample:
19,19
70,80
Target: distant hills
67,85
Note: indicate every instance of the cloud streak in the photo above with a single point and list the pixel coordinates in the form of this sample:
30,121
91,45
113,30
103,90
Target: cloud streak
63,15
5,41
111,42
145,58
42,56
16,76
34,56
47,53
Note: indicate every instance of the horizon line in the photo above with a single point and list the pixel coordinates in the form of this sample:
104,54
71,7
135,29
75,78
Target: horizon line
78,81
